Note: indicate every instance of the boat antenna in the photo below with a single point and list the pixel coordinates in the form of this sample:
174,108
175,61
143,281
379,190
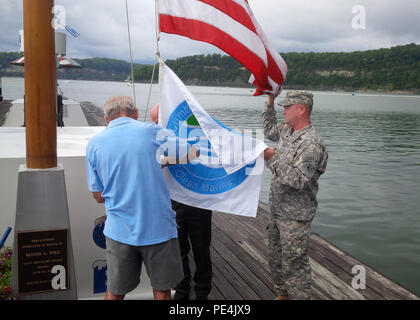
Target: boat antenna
156,56
131,54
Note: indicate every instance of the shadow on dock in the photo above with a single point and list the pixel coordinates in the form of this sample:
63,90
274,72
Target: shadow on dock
241,272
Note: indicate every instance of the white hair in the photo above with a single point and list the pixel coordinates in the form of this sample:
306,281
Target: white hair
116,105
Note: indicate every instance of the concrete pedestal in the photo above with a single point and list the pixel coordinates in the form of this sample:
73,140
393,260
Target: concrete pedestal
42,206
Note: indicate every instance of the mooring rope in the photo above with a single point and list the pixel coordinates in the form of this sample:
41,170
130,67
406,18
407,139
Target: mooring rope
157,55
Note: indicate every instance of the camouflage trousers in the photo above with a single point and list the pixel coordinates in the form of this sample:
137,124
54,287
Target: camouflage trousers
288,257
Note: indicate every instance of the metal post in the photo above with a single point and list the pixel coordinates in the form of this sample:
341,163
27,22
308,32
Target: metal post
1,96
60,111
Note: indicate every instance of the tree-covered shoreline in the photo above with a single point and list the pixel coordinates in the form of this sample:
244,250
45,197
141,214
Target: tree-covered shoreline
396,69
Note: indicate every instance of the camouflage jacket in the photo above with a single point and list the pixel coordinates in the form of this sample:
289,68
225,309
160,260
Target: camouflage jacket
299,160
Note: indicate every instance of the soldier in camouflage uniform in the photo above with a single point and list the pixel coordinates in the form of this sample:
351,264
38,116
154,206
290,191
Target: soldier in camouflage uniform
296,164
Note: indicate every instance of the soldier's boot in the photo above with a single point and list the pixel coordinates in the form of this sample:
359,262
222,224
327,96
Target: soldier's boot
281,297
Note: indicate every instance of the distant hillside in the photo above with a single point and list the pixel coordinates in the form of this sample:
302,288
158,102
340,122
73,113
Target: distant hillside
397,68
6,69
394,69
92,68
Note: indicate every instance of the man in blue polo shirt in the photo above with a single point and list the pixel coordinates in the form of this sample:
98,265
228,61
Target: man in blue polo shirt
124,172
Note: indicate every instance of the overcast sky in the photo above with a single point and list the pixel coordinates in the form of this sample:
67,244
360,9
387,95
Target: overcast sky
295,25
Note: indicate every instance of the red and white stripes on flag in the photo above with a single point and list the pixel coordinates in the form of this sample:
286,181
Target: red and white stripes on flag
231,26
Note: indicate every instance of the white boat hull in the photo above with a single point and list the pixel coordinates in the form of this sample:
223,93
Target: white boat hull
89,258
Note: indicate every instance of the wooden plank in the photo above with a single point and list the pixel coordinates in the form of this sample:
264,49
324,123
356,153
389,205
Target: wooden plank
262,259
241,243
93,114
317,294
222,280
252,228
341,263
235,230
251,225
318,274
224,285
260,272
236,234
247,247
263,213
373,274
215,294
331,292
383,286
259,223
368,293
263,263
333,284
233,225
243,270
240,232
233,274
378,284
260,246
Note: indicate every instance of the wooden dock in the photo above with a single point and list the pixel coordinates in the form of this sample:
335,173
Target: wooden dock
241,272
93,114
4,110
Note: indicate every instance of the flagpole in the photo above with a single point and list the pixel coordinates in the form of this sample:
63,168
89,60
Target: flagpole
40,84
41,200
131,54
157,27
157,56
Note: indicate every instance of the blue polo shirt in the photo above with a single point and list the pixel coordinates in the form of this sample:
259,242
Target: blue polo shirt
122,162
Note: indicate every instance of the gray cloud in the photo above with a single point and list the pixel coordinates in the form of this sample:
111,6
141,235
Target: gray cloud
11,20
319,25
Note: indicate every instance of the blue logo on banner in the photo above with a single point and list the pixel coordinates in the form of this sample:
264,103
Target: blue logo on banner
205,175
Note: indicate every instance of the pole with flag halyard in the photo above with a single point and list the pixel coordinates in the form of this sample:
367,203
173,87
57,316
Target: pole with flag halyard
227,176
42,228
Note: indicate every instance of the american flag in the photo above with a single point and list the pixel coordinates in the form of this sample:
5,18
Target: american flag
231,26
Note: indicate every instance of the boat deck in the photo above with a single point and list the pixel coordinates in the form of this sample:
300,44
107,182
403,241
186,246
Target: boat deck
241,272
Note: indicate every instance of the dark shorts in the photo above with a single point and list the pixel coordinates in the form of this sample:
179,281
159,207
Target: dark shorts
124,263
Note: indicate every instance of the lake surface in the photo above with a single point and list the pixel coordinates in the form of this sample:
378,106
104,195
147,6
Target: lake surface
369,197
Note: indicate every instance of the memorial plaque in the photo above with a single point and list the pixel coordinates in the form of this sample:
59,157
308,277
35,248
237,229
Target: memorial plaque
42,261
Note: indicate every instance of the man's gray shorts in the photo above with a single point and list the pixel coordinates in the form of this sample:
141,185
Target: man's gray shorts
162,261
